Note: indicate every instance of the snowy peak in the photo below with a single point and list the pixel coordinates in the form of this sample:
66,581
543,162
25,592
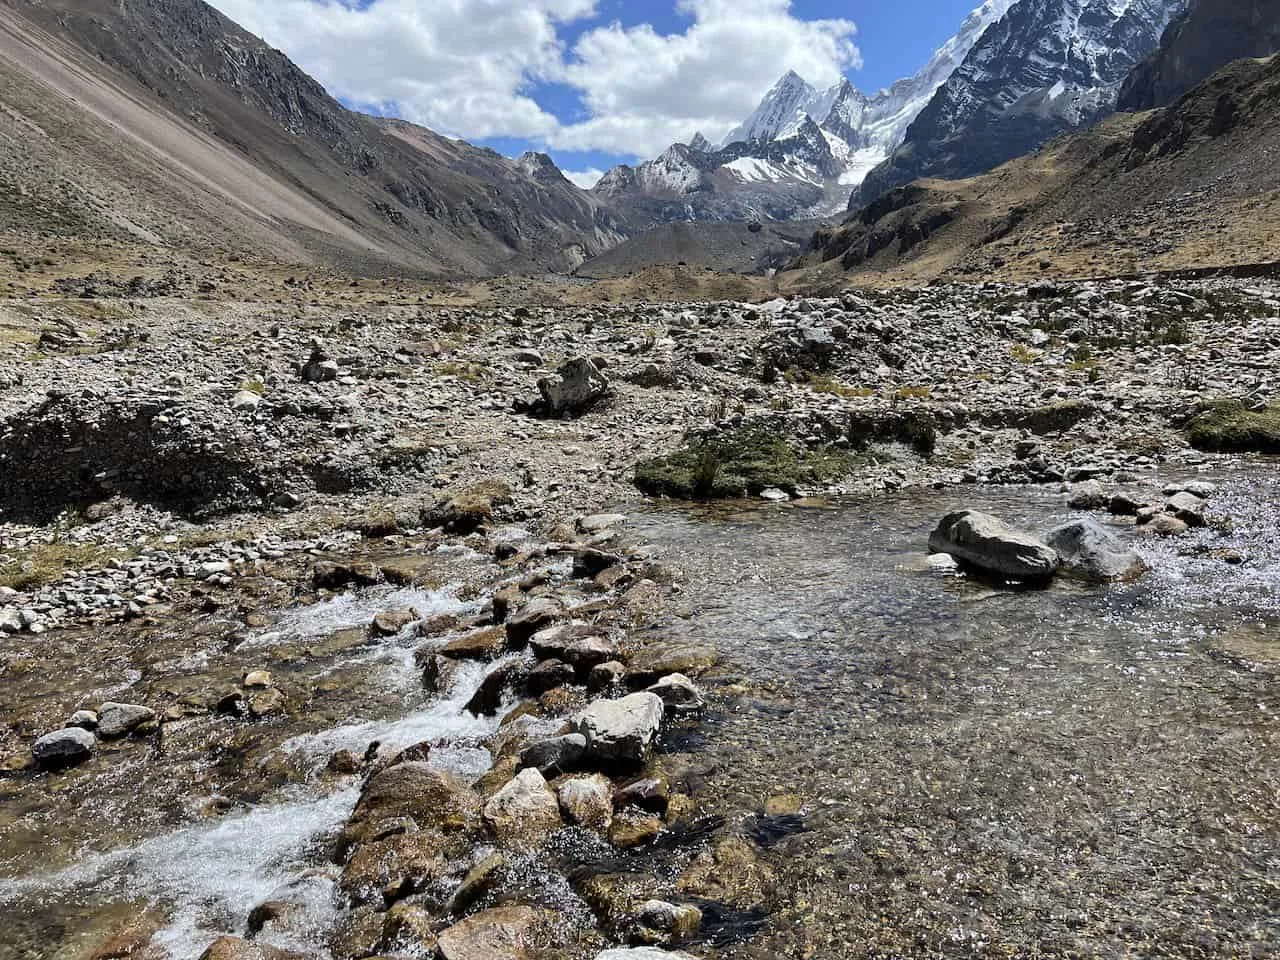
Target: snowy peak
1043,69
780,113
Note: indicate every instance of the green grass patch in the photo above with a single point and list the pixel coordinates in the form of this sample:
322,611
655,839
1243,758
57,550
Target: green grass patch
741,462
1229,427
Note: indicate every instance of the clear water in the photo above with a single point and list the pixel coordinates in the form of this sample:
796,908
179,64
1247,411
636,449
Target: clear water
1073,772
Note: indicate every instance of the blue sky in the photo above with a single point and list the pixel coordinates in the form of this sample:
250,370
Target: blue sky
592,82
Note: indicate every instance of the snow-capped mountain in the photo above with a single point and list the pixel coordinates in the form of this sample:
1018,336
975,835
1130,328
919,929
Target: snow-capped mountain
1047,67
800,152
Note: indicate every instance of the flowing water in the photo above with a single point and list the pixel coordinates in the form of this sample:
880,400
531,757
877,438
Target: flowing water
949,770
1062,773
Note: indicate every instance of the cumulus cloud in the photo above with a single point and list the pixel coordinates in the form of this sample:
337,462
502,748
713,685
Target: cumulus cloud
471,68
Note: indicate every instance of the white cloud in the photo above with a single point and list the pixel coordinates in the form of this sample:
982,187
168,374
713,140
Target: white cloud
586,179
466,67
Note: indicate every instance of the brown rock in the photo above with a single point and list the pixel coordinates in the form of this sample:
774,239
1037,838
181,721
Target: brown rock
503,933
538,614
633,830
397,865
390,622
660,659
484,644
587,801
233,948
429,798
524,811
476,883
409,928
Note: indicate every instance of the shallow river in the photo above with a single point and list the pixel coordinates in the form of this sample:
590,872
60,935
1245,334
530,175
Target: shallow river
1065,773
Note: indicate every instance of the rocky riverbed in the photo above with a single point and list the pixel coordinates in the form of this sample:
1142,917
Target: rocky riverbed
340,631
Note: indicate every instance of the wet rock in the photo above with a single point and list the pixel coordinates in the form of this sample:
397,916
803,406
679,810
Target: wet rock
390,622
657,660
605,675
548,675
343,763
679,693
430,798
120,719
476,883
437,671
266,703
1201,488
409,928
600,522
988,544
621,731
483,644
1090,552
576,387
233,948
1164,525
651,794
587,802
536,615
579,645
267,912
1124,505
336,576
83,718
1087,495
63,748
493,690
502,933
590,562
632,830
1188,508
524,811
673,923
555,756
256,679
396,866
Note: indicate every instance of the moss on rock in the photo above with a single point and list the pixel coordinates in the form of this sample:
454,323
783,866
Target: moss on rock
1227,426
740,462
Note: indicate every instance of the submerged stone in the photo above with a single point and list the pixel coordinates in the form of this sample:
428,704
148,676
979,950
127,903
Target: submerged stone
1090,552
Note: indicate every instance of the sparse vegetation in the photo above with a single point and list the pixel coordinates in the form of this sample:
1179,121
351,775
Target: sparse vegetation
1228,426
740,462
43,564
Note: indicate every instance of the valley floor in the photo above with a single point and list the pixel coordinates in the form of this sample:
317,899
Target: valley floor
195,465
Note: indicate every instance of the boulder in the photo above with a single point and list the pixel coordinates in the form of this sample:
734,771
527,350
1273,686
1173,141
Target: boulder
524,811
576,387
679,693
390,622
1188,508
121,719
431,799
502,933
989,545
579,645
556,755
1087,495
1090,552
622,731
533,617
650,664
587,802
1163,525
476,883
63,748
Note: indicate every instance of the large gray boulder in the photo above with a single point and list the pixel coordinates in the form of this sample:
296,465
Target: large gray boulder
120,719
621,731
1089,551
991,546
63,748
574,389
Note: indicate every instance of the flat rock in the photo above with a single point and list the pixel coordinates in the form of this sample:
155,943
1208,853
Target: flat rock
622,731
430,798
579,645
987,543
1090,552
120,719
652,663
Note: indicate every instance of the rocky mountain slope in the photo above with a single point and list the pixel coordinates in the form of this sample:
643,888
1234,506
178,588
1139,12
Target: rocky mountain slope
162,121
1192,186
800,151
1209,35
1046,68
